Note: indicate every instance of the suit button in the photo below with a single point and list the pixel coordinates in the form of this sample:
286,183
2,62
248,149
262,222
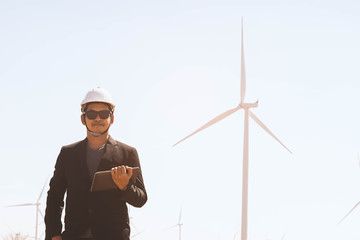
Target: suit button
90,211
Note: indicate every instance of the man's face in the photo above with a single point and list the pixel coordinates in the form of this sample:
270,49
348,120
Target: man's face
97,125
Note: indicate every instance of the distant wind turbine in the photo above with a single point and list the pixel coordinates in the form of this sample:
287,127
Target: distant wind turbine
246,107
132,224
37,204
179,224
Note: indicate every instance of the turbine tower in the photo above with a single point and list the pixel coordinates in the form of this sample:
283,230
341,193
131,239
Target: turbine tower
246,107
179,224
37,204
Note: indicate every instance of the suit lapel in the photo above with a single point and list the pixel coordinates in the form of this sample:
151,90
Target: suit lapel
108,159
84,172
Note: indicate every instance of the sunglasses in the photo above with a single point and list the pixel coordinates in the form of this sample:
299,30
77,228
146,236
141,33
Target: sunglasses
91,114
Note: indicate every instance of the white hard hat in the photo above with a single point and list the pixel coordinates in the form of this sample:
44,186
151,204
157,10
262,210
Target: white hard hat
97,94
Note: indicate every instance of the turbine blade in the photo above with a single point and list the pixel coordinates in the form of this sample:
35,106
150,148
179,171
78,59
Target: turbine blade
171,227
180,215
357,204
21,205
133,225
261,124
42,215
138,233
211,122
42,190
243,80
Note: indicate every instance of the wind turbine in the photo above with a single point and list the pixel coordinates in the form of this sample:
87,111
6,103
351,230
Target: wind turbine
179,224
132,224
37,204
246,107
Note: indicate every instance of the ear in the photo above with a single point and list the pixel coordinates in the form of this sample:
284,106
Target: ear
83,119
112,119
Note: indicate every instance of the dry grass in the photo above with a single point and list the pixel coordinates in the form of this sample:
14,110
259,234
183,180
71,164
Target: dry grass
16,236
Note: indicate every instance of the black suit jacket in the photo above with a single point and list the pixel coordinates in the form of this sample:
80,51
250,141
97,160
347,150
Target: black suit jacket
105,212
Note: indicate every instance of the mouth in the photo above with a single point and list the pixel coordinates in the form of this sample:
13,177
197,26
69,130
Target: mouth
97,124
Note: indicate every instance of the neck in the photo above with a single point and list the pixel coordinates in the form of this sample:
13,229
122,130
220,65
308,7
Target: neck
97,142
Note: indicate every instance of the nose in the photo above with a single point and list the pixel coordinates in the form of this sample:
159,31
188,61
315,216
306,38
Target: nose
97,116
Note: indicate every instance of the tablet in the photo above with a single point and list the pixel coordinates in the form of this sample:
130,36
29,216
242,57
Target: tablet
103,181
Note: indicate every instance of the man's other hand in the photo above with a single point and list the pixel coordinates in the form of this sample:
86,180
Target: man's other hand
121,176
56,238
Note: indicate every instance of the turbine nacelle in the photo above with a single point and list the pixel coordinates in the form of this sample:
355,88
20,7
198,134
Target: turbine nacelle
248,105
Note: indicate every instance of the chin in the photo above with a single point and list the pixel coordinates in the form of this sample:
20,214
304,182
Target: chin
98,130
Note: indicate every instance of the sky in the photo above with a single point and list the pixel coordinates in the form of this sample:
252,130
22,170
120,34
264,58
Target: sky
171,67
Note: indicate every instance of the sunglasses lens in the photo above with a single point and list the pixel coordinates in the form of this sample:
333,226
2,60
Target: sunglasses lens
91,114
104,114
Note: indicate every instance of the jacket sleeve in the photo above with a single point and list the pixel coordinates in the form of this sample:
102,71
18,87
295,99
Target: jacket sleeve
55,199
135,193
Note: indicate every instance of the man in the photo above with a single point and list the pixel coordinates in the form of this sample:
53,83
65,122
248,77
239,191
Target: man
94,215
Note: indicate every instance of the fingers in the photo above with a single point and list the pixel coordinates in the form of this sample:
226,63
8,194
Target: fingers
117,172
129,170
120,170
121,176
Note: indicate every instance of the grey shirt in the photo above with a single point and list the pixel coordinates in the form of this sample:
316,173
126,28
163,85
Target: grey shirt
93,158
